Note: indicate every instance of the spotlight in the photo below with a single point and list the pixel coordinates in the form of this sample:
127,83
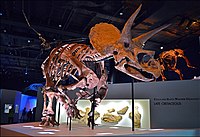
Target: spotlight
59,26
1,14
121,13
4,30
161,47
29,41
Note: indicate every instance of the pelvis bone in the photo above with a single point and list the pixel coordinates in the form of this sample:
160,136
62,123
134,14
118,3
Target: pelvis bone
128,53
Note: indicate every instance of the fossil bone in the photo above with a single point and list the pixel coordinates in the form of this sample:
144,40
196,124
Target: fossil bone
168,61
69,61
108,41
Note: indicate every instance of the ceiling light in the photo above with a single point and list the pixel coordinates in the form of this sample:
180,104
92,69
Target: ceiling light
1,14
121,13
161,47
29,41
4,30
59,26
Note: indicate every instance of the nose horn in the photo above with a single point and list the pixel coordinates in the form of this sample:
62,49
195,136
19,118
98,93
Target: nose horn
126,32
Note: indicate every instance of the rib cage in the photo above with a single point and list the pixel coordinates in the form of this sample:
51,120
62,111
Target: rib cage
64,61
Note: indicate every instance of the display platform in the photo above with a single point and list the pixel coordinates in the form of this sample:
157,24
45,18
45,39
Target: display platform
32,129
114,109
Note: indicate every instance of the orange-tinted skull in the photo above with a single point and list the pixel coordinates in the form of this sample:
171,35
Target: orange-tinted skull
128,53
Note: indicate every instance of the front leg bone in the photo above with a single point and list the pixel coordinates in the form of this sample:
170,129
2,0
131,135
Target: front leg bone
48,113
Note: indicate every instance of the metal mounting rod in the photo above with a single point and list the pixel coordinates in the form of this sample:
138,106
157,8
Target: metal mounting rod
132,87
59,113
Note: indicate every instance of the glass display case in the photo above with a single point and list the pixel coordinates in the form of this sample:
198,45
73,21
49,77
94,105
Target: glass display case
114,112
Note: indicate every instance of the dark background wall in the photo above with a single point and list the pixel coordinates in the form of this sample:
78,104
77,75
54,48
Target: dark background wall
9,97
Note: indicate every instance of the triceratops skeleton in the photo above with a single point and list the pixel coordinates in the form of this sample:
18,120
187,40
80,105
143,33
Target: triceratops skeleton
68,60
168,61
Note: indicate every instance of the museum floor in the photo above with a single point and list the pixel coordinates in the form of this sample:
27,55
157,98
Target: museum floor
32,129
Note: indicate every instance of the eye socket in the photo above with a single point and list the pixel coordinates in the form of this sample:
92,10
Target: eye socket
126,45
115,52
143,57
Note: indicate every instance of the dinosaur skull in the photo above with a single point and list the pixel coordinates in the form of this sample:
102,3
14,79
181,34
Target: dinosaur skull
128,54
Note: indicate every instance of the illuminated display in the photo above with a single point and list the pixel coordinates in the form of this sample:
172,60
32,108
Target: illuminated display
117,110
7,108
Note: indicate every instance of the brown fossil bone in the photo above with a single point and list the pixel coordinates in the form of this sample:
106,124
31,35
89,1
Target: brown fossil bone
123,111
128,54
137,117
111,118
85,116
168,61
69,61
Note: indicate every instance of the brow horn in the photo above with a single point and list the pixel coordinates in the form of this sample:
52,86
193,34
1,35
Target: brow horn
126,32
140,40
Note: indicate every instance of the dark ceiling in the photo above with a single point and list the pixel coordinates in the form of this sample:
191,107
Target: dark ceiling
70,21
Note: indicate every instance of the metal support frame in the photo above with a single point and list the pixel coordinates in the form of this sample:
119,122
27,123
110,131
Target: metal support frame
132,93
93,103
59,113
93,109
70,123
67,120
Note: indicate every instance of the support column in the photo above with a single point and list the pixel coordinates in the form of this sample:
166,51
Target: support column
132,93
